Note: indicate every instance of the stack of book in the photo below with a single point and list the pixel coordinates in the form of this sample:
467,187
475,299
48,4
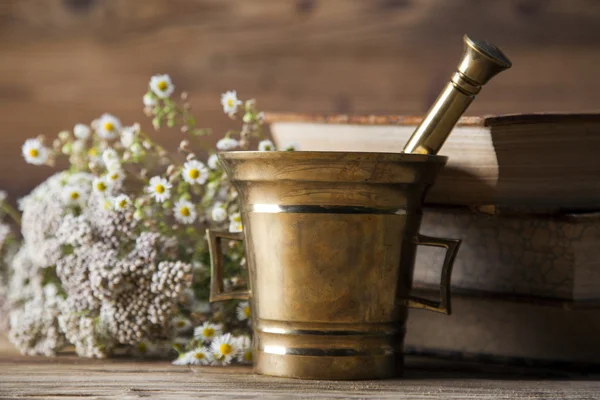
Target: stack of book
523,193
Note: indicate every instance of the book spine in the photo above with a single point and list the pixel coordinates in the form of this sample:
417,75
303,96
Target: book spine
516,255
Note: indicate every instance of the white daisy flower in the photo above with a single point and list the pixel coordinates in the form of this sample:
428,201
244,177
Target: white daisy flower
230,102
207,331
235,222
194,172
115,178
184,211
244,354
108,126
128,136
3,196
183,359
159,188
99,185
223,348
121,202
34,152
213,161
198,356
149,100
219,213
73,194
162,86
81,131
181,324
243,311
110,156
266,145
227,143
114,166
94,155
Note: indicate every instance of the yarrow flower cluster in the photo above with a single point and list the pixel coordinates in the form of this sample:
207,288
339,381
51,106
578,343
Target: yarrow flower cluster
113,257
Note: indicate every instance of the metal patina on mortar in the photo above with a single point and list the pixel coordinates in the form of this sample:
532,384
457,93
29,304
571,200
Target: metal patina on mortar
331,239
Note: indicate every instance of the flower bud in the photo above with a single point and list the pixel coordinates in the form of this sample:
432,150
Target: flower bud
66,148
170,170
248,117
63,135
184,145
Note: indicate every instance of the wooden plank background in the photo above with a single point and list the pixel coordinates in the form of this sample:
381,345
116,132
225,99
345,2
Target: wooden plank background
66,61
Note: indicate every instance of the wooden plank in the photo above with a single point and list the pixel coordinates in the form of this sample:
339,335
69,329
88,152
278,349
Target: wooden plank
69,61
70,377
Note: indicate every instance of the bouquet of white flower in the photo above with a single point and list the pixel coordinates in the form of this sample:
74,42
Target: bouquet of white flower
113,257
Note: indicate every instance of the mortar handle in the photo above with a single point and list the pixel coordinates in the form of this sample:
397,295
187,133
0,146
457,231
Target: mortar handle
444,305
216,267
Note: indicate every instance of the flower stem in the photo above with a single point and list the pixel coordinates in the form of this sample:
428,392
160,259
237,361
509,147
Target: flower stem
11,212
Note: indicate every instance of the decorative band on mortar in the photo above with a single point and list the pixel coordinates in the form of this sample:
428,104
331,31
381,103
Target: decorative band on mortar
315,209
304,351
328,332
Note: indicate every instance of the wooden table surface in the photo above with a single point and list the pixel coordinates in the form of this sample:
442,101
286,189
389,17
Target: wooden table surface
69,377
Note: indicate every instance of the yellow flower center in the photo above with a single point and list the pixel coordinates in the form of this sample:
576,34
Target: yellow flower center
122,203
180,324
93,152
248,356
100,186
114,176
162,86
184,211
74,195
208,332
225,349
109,126
229,102
159,188
246,311
142,347
237,218
198,356
193,173
33,152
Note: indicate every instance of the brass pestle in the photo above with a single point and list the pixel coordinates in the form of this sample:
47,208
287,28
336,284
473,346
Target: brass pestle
480,62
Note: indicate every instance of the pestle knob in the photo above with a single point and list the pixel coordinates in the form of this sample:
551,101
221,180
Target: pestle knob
480,62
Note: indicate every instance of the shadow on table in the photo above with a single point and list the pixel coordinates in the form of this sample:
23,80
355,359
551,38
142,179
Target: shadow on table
423,367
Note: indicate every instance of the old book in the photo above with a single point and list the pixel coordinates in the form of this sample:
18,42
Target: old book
554,257
506,331
544,162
